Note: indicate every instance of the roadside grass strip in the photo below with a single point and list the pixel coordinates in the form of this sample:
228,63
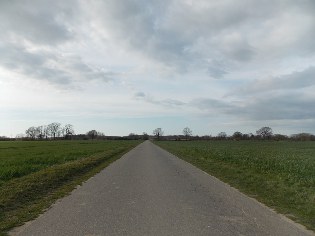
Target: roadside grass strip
278,174
24,198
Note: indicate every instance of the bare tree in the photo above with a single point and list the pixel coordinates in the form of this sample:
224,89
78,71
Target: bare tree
303,137
46,131
92,134
158,132
222,135
31,132
40,132
68,131
61,132
101,135
237,135
54,129
187,132
145,136
265,132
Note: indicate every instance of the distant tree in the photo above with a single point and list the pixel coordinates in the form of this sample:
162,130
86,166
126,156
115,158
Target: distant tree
303,137
145,136
46,131
279,137
158,132
237,135
264,132
31,132
40,132
222,135
100,134
187,132
251,136
92,134
133,136
54,129
5,138
68,131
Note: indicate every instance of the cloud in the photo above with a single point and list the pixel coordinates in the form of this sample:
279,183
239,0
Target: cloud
288,82
31,64
211,105
214,37
296,106
277,107
50,66
250,60
184,34
139,95
161,102
78,69
34,40
217,69
285,107
36,22
171,102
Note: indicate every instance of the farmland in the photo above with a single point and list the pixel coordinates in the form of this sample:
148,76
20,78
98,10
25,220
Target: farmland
33,174
279,174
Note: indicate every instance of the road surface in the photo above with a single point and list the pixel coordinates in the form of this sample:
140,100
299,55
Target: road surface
151,192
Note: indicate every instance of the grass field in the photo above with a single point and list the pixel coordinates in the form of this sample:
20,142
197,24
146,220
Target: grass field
34,174
279,174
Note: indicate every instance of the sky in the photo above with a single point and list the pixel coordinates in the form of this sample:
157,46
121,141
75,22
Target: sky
131,66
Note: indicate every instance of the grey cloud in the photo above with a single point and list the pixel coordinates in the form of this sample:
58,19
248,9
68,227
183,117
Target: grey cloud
295,106
175,33
286,107
165,102
137,22
139,95
211,36
31,64
210,104
102,75
171,102
243,53
43,65
217,69
169,31
293,81
14,57
277,107
299,79
85,71
41,22
161,102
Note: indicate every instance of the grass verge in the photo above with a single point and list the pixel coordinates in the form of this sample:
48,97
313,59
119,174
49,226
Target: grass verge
278,174
22,199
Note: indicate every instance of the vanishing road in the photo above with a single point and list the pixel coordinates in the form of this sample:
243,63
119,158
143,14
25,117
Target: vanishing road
151,192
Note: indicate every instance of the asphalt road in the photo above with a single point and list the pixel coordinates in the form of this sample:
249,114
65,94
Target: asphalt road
151,192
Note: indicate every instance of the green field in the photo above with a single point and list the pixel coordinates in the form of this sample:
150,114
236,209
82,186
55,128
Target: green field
279,174
33,174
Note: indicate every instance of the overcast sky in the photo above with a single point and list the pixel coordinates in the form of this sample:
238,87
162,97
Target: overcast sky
135,65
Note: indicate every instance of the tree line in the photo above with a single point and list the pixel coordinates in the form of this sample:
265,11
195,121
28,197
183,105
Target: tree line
51,131
264,133
55,131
